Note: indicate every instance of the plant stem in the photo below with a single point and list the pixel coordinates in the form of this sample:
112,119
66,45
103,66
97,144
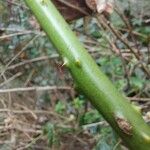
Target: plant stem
116,109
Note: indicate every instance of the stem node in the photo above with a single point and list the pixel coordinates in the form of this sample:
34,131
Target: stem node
78,63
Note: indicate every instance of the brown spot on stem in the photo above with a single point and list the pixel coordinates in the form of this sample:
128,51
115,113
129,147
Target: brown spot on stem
124,125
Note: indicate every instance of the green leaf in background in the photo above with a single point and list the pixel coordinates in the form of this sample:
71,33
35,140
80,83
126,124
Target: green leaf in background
103,146
136,83
78,103
120,84
60,107
90,117
48,130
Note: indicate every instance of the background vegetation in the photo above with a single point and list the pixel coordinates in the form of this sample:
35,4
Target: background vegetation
38,104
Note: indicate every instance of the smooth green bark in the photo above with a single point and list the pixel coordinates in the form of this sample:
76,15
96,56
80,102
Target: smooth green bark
116,109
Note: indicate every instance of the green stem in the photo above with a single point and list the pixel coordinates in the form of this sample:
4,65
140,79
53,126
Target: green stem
116,109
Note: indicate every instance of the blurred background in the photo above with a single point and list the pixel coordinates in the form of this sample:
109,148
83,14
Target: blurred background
39,106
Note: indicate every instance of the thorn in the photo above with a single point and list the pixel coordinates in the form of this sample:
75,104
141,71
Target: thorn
65,62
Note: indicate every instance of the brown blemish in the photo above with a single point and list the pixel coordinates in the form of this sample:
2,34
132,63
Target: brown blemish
124,125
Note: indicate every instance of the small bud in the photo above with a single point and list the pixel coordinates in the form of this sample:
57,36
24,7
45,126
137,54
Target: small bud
146,137
78,62
43,2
